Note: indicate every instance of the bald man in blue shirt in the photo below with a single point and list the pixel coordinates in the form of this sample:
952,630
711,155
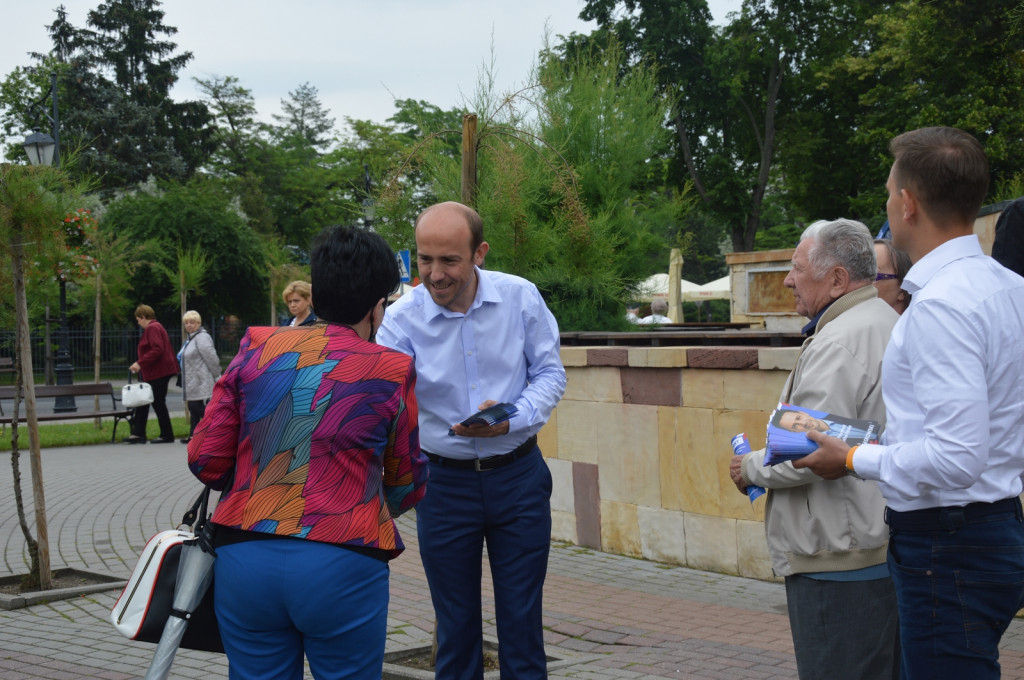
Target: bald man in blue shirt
480,338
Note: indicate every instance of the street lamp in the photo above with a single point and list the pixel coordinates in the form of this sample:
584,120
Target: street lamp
369,209
42,149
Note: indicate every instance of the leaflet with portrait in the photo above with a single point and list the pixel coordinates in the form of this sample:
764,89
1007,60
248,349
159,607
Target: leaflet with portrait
789,424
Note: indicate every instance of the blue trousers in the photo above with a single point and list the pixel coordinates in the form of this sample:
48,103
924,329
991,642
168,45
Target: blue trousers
957,590
279,599
509,509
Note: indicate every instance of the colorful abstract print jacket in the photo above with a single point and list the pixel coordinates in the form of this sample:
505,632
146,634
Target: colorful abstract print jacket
319,429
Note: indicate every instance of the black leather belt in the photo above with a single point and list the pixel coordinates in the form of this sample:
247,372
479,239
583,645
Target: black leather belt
481,464
947,519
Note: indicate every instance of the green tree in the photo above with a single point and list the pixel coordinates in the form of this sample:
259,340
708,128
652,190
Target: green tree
564,186
735,90
113,85
201,215
305,123
33,203
954,63
234,113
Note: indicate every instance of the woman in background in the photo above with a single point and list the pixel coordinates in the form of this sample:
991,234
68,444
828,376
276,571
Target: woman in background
893,265
156,365
313,432
200,369
298,296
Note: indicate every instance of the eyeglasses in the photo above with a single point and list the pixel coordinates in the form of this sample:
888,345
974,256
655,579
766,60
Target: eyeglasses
884,277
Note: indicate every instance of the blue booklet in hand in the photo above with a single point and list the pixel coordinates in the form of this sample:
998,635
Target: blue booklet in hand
741,447
789,424
492,415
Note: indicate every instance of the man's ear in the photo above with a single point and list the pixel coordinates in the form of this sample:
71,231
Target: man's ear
481,253
839,279
910,205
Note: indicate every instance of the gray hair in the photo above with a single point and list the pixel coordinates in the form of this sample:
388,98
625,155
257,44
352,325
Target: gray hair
844,243
192,315
659,306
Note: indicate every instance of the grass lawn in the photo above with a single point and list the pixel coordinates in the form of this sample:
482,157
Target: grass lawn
84,432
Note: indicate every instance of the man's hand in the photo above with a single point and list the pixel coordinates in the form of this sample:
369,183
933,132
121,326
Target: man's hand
735,471
481,430
829,461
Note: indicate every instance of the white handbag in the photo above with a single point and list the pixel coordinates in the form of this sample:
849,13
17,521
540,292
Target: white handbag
134,395
147,602
133,607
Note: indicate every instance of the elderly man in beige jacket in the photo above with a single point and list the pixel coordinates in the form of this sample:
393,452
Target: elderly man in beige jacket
828,538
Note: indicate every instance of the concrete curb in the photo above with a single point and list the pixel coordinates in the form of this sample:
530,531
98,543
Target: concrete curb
106,582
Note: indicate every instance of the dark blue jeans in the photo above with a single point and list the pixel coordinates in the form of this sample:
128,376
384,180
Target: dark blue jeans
957,589
509,509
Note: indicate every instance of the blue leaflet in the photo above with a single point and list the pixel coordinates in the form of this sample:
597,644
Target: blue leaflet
493,415
741,447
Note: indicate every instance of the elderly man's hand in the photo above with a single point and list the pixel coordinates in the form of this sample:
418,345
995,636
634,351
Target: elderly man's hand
736,473
829,461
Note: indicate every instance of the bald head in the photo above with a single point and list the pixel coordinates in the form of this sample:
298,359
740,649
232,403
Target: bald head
452,210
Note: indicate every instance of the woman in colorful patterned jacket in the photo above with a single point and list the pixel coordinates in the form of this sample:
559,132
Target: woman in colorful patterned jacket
312,432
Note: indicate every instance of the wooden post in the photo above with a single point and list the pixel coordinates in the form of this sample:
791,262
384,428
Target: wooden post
675,276
28,384
469,159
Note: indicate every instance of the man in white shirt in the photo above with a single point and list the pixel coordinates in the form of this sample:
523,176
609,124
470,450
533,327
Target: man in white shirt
658,309
953,454
480,337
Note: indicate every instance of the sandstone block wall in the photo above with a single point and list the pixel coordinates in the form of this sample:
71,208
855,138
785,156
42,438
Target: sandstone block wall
639,451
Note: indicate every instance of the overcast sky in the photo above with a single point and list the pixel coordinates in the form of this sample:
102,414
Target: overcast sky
361,56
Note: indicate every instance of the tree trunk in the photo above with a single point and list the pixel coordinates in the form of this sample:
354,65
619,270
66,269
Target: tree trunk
25,351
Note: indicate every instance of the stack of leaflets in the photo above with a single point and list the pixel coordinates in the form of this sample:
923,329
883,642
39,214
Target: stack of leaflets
493,415
789,424
741,447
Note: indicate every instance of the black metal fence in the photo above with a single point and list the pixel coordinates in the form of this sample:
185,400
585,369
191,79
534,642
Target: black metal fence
117,348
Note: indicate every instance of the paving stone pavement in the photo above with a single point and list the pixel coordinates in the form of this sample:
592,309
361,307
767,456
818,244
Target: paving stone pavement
620,617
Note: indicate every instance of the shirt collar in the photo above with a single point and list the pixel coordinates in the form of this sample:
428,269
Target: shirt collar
486,291
809,329
838,306
930,265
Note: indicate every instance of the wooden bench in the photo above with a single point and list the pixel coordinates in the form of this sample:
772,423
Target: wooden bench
103,390
6,365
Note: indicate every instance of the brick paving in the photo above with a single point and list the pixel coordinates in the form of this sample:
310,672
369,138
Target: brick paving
618,617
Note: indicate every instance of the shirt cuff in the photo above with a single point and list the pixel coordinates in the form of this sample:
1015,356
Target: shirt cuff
867,461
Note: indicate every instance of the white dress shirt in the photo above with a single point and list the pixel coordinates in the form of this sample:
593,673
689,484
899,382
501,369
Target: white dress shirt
953,384
654,319
505,348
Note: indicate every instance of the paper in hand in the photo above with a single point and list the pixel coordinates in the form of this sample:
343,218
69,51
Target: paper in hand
492,415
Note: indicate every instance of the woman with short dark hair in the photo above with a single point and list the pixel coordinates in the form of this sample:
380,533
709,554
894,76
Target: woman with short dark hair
313,432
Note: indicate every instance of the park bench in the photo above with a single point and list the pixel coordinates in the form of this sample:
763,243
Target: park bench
103,390
6,365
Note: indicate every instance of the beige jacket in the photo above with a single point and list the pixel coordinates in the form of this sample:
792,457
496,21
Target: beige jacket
815,525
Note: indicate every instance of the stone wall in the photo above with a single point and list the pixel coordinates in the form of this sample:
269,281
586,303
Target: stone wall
639,451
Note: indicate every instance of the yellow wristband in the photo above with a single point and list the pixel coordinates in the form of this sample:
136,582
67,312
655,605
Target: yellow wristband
849,459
